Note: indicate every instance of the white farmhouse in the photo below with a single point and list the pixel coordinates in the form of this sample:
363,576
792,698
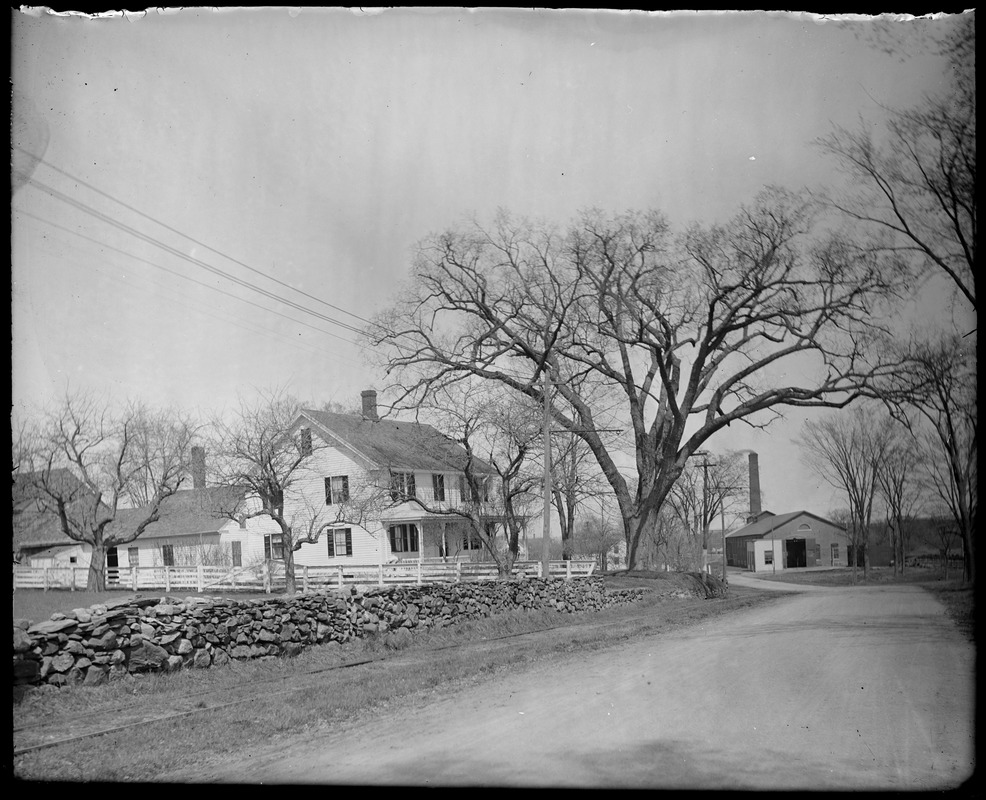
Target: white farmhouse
387,489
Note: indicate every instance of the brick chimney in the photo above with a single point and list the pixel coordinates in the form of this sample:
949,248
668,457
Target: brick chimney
198,467
369,397
754,487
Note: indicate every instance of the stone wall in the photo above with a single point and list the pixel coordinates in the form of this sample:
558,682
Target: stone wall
90,646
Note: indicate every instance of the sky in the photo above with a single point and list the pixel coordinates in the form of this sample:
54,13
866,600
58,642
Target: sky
223,198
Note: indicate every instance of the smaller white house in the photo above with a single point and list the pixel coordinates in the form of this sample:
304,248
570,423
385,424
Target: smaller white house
192,531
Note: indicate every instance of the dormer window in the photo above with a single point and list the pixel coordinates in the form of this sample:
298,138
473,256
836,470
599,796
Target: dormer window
401,486
438,486
306,441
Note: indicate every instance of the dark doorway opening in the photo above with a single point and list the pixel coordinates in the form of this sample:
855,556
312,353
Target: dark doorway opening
797,553
113,563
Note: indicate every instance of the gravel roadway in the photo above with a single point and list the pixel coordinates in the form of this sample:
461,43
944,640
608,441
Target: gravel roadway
847,688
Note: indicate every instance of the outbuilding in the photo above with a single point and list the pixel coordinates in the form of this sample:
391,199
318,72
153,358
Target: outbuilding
774,542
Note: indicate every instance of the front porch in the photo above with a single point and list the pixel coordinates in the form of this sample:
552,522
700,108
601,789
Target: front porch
438,539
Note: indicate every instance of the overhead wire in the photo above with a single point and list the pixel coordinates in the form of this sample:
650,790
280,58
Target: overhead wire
183,301
87,209
208,247
135,257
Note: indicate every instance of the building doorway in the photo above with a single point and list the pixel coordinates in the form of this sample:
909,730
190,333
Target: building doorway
797,553
112,565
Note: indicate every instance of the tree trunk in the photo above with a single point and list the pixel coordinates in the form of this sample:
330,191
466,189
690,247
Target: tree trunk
289,583
97,569
968,570
634,528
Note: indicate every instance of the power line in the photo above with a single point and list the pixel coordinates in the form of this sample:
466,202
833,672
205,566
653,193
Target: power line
184,277
178,253
192,239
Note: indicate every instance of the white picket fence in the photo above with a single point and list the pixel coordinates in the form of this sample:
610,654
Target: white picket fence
269,577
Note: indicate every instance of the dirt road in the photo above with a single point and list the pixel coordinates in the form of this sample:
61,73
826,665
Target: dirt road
862,688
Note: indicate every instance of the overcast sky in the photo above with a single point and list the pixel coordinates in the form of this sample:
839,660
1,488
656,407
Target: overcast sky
190,155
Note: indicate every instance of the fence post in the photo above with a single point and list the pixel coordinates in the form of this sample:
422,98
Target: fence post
540,569
568,570
304,578
45,578
458,571
133,578
200,579
419,572
340,576
266,574
381,575
167,579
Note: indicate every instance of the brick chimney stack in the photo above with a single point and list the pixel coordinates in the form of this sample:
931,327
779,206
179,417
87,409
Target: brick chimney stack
369,397
754,487
198,467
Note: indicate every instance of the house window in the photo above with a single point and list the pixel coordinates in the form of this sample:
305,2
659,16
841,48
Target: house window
835,552
470,541
306,442
768,556
168,554
471,491
133,556
401,486
336,489
404,538
340,542
273,547
438,484
237,554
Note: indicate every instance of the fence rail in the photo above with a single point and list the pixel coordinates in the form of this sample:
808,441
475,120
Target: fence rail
270,576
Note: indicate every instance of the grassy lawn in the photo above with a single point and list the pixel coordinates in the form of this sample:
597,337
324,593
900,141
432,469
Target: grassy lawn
257,702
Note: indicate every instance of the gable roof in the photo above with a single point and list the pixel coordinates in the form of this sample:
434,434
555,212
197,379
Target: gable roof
768,522
32,527
190,511
394,444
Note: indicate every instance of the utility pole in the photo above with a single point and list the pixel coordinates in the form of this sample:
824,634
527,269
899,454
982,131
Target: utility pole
705,506
546,531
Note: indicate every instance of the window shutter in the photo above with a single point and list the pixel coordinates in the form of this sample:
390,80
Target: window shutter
349,541
331,539
410,484
267,547
345,488
328,491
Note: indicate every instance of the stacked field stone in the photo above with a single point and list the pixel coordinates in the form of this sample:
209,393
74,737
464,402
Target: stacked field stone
90,646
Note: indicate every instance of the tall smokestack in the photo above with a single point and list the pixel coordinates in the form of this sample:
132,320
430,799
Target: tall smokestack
369,404
198,467
754,486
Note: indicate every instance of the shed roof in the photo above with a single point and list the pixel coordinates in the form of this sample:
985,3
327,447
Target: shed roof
396,444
